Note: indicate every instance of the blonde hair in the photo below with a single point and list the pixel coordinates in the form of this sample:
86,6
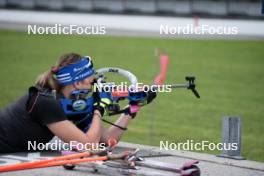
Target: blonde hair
47,80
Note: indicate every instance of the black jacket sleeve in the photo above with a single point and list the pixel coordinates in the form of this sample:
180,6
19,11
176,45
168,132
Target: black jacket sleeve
46,110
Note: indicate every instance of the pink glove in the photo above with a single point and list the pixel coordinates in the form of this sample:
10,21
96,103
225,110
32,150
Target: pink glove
132,110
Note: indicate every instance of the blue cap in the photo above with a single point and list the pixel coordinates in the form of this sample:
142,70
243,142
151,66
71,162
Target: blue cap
75,72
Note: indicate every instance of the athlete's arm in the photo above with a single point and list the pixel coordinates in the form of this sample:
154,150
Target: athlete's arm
68,132
114,132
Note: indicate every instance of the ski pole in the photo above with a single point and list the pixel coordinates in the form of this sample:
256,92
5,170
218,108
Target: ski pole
70,159
21,166
85,160
34,164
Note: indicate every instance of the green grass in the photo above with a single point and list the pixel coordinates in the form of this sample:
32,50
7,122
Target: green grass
229,76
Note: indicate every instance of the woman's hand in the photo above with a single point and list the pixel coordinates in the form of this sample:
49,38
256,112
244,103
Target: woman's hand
134,106
102,102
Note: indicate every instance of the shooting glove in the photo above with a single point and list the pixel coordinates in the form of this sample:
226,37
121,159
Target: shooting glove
134,106
132,110
102,102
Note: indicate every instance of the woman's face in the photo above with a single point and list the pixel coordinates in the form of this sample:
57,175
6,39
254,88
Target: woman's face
85,84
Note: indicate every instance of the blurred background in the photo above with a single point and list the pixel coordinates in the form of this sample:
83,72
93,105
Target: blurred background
228,68
212,8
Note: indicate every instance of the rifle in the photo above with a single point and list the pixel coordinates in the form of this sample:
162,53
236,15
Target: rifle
133,93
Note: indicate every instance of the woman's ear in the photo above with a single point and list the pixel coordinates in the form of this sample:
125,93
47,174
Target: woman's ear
77,85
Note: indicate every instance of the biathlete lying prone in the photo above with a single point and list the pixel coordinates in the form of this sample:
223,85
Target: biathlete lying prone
43,113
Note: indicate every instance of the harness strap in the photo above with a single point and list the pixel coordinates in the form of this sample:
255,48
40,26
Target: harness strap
120,127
